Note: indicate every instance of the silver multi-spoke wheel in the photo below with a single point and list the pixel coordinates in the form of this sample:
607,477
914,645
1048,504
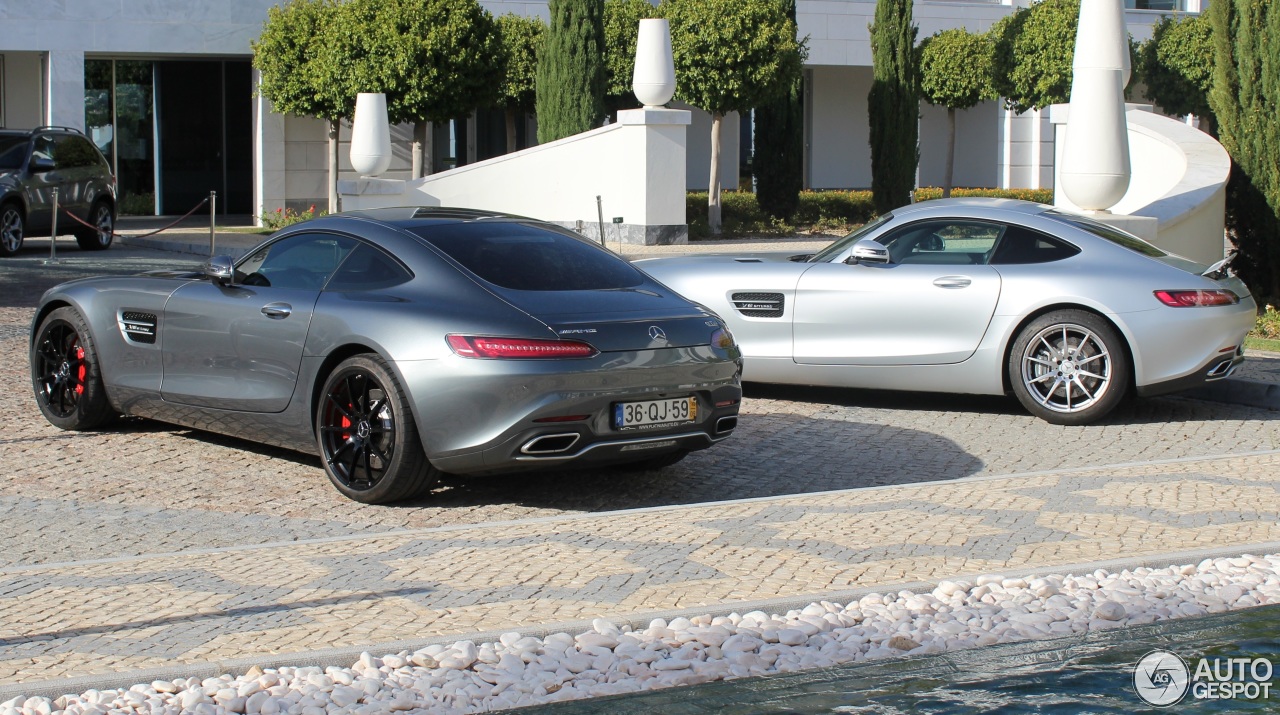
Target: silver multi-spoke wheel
103,226
11,230
1066,368
1069,367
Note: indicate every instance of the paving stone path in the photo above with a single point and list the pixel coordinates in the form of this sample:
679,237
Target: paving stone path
150,545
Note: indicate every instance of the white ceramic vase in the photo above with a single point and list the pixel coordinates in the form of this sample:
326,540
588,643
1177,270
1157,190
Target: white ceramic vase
370,135
654,78
1095,157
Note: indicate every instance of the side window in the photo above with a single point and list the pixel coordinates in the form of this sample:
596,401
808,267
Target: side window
43,147
368,268
1022,246
302,261
72,152
946,242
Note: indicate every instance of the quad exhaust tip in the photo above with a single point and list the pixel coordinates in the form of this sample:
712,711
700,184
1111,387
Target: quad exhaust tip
551,443
1221,370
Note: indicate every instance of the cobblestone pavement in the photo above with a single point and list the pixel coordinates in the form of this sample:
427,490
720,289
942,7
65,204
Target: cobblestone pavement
199,526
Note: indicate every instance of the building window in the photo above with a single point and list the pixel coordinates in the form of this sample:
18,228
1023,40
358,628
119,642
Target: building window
118,116
1164,5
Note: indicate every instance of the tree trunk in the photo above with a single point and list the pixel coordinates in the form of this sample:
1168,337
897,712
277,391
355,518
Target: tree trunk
951,152
334,126
511,130
421,149
713,186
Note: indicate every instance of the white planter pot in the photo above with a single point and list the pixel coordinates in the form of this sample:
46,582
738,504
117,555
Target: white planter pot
370,135
654,78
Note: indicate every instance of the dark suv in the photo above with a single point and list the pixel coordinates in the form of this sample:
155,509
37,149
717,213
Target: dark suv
32,164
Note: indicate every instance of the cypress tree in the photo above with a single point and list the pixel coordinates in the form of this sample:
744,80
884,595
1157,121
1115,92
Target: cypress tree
571,70
778,163
1244,97
893,106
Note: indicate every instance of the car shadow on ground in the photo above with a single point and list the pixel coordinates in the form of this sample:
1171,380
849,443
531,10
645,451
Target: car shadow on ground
1133,410
769,455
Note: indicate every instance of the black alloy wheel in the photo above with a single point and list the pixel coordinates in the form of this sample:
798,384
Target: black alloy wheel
99,237
65,373
12,227
367,437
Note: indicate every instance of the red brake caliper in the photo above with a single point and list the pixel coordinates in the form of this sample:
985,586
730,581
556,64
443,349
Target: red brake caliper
80,371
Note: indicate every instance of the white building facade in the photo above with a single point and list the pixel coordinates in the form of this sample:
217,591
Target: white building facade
165,88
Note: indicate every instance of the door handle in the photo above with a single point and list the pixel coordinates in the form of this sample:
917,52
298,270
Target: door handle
952,282
277,310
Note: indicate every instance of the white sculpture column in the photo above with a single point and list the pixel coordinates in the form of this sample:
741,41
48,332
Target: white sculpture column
1095,159
370,135
653,79
370,154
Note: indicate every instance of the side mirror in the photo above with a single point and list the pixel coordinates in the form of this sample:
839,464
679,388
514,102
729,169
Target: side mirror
220,270
868,250
40,165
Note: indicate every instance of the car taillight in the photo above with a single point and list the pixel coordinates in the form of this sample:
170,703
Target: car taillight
722,339
1196,298
471,346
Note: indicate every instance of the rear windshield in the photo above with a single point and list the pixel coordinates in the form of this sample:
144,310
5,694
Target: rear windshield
1110,233
524,257
13,150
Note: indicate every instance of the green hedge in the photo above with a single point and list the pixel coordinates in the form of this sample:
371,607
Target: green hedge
819,211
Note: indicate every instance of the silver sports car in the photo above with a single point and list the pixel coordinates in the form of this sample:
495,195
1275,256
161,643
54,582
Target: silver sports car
979,296
399,344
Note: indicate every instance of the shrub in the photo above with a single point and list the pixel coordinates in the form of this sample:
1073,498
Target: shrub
1268,325
280,218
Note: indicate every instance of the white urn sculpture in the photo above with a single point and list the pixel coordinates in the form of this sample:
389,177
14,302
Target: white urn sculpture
370,135
1095,158
654,77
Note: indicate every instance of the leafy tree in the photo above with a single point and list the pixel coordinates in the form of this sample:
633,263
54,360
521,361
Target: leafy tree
893,105
1034,48
730,56
955,72
298,78
571,70
621,30
1177,66
778,163
521,41
434,59
1244,98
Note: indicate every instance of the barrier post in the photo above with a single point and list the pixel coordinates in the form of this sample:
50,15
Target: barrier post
53,233
600,218
213,206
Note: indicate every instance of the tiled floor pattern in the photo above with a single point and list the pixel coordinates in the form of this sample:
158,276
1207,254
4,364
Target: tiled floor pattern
144,612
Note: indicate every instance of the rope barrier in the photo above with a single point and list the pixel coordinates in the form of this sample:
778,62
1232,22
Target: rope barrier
182,218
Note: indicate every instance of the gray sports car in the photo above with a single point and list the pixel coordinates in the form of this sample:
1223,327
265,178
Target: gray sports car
979,296
400,344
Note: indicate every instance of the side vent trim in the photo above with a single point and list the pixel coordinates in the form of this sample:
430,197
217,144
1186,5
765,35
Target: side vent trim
759,305
138,327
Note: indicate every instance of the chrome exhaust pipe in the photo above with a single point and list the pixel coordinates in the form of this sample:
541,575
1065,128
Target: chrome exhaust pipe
724,424
1221,370
550,443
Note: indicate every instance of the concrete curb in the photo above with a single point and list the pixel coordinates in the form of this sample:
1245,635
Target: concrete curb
344,657
195,244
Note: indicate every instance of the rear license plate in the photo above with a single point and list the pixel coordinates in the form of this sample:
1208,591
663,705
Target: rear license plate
655,413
